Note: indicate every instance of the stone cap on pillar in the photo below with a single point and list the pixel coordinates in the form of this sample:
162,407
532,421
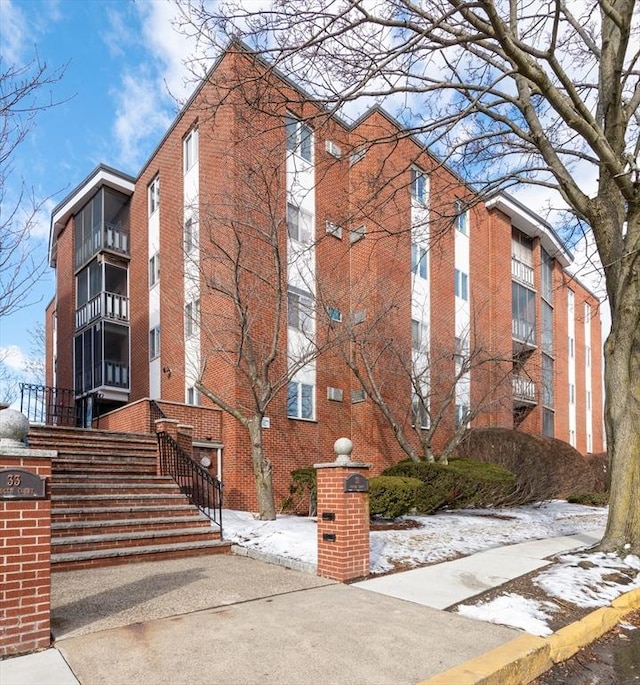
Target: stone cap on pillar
343,448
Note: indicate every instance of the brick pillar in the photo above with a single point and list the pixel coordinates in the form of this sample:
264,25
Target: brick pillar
25,547
343,516
185,439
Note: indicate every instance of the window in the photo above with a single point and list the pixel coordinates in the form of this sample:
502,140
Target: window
190,238
548,422
334,314
462,415
154,195
190,150
419,185
300,309
192,318
587,352
589,443
154,269
461,352
462,285
547,327
299,138
416,335
358,396
547,277
462,218
299,223
193,396
587,313
572,438
333,229
523,313
547,381
419,413
300,401
572,393
418,260
589,399
571,347
357,234
154,342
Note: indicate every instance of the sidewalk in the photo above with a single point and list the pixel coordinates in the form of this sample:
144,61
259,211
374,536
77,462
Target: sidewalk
238,620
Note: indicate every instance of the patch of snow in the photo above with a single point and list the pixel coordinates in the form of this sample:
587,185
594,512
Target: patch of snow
513,610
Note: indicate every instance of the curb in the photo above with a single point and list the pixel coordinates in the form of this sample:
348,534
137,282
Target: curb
528,656
268,557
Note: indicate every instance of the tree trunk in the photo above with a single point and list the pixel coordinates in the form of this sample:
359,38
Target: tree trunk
622,415
261,471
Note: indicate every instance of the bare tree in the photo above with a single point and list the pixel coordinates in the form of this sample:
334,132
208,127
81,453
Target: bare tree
23,94
34,366
507,93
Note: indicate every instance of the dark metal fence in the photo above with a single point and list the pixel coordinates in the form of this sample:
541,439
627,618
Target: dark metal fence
202,489
58,406
155,414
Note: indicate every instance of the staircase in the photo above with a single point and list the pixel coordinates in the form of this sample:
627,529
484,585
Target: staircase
109,506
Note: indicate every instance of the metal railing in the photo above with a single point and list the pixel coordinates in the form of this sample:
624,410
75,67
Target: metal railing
524,389
155,414
105,304
524,331
194,481
521,271
58,406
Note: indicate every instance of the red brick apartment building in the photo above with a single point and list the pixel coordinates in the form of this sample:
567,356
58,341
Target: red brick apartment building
338,238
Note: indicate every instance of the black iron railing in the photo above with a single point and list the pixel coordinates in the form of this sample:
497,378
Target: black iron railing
202,489
58,406
155,414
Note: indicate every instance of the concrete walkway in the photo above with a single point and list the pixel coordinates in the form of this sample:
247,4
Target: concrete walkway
234,620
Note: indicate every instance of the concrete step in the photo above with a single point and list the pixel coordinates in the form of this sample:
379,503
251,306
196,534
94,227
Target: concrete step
116,500
108,513
66,528
125,489
129,539
108,557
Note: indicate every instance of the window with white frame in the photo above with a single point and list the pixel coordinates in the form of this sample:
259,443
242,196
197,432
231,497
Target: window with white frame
589,443
193,396
461,285
154,195
299,137
462,415
154,269
419,413
572,393
299,309
154,342
190,149
192,318
572,437
190,237
416,335
461,352
461,220
299,223
587,313
419,260
571,347
589,399
300,400
587,352
419,185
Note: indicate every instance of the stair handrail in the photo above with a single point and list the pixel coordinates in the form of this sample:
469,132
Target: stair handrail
201,488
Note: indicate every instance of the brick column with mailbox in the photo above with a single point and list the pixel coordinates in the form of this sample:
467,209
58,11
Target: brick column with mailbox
343,516
25,550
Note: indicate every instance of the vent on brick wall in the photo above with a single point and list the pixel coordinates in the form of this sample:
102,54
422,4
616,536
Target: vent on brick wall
334,314
333,149
358,396
334,394
357,156
359,316
333,229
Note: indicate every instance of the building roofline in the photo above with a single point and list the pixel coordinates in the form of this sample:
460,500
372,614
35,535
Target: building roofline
102,175
531,224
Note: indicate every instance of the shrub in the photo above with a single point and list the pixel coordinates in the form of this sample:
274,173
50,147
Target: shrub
302,492
545,468
392,496
590,499
459,484
599,465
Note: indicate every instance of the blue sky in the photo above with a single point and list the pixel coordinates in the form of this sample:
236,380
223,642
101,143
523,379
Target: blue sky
119,93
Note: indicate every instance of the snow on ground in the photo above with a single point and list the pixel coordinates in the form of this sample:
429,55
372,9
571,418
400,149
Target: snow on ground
441,537
586,580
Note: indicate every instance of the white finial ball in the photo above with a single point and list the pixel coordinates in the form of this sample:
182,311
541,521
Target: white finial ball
343,448
14,427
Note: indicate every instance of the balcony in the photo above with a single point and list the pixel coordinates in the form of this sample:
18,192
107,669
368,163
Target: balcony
524,391
109,237
105,305
522,272
104,374
524,332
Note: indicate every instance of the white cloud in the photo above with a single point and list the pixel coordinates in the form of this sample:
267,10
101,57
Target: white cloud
13,33
13,357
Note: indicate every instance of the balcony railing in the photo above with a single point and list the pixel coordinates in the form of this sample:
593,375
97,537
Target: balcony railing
104,374
58,406
108,237
524,389
106,305
524,331
521,272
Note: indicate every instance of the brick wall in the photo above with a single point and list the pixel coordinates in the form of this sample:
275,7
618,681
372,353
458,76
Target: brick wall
25,561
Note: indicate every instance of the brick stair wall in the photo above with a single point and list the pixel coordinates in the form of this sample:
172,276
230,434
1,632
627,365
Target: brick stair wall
109,506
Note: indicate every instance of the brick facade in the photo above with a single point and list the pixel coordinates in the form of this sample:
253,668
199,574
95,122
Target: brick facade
25,555
242,188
